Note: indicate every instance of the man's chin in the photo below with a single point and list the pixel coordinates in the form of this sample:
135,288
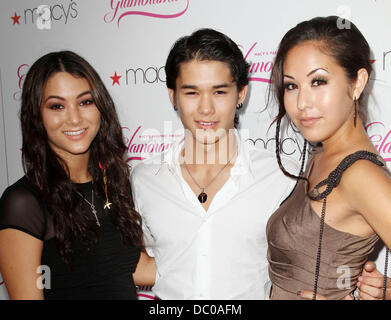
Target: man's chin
207,141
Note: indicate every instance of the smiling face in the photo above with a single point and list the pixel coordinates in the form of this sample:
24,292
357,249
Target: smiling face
69,115
206,97
318,95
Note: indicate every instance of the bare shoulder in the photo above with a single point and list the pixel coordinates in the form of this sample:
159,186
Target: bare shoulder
365,179
12,239
365,173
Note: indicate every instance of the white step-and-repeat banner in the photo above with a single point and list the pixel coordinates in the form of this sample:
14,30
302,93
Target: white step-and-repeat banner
127,41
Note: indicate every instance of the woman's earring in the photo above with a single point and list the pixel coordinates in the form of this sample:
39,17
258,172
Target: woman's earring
239,106
107,203
355,112
175,107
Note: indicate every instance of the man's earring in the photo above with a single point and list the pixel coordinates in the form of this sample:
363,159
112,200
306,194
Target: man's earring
355,112
175,107
239,106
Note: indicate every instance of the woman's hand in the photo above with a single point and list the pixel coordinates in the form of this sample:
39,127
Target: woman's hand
370,283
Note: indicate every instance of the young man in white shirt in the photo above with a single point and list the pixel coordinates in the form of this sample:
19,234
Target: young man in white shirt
206,201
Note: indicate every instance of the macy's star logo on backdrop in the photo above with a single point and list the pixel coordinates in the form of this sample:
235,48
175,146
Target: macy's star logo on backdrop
115,79
16,19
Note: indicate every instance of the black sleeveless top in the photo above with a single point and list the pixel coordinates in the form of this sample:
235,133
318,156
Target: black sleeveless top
103,271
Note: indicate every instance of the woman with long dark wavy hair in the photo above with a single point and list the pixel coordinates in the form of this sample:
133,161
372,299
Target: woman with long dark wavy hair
320,237
68,229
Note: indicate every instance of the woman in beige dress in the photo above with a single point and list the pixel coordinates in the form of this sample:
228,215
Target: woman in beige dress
321,236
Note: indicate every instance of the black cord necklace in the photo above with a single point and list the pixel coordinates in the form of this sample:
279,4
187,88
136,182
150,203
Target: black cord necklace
203,197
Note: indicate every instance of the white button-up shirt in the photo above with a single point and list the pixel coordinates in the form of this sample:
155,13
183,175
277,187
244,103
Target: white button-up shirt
214,254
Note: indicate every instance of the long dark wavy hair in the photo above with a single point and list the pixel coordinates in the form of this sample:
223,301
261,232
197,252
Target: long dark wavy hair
50,174
346,45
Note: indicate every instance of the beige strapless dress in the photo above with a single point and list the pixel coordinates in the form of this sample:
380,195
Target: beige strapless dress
293,237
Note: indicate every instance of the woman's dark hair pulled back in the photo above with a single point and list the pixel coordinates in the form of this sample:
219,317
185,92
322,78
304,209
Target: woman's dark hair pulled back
334,36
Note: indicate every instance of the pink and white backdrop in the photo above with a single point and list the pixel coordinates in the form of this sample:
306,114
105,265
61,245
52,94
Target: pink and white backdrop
128,41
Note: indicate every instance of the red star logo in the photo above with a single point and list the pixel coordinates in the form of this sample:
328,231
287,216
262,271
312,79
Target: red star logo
115,78
372,61
15,18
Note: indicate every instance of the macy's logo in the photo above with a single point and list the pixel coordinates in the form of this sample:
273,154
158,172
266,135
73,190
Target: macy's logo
150,8
381,139
137,75
290,146
55,12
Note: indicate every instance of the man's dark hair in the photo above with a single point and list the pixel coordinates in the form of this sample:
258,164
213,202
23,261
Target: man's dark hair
206,44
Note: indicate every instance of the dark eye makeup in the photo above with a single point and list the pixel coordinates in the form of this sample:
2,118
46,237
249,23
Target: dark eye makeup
56,106
86,102
289,86
318,81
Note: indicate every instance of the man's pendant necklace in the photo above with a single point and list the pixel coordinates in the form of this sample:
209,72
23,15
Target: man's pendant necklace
91,205
203,197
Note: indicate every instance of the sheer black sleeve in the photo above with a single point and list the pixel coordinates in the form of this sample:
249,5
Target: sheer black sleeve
20,209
